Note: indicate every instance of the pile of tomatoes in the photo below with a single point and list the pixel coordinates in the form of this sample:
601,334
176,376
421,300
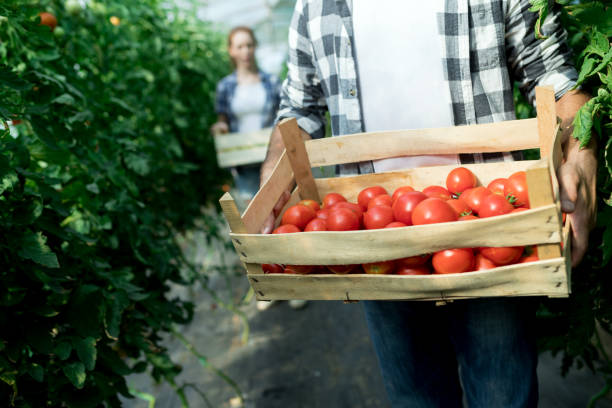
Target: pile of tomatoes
462,199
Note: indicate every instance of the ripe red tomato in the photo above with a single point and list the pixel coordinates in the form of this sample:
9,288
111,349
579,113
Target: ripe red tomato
331,199
378,217
272,268
474,197
298,215
502,255
413,270
399,191
516,189
405,204
342,219
497,186
48,20
367,194
530,255
395,224
316,224
356,208
460,179
460,207
433,211
494,204
468,217
342,269
286,229
379,268
416,260
323,213
528,258
482,263
453,260
299,269
383,199
437,191
311,203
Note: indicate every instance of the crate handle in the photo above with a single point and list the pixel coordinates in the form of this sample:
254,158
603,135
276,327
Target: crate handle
298,157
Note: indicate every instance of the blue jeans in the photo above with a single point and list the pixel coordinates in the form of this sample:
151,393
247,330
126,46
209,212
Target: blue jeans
246,179
427,352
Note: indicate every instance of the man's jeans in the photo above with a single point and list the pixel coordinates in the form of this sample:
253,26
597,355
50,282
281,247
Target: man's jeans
420,347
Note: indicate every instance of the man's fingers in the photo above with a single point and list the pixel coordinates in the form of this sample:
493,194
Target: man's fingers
268,226
580,238
569,184
281,202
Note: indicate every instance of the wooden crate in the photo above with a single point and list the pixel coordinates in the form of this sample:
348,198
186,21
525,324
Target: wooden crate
541,225
236,149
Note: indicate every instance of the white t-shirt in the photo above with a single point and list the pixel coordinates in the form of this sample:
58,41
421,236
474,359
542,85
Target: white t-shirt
248,106
402,85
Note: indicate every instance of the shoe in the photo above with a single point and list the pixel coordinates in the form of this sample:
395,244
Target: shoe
297,304
265,304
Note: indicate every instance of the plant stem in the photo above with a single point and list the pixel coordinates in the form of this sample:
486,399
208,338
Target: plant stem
204,362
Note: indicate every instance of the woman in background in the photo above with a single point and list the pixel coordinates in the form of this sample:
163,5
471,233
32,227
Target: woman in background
247,101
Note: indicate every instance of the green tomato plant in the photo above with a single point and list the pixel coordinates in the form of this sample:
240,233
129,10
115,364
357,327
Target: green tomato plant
105,154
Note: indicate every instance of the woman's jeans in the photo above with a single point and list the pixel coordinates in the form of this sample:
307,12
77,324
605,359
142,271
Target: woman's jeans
425,352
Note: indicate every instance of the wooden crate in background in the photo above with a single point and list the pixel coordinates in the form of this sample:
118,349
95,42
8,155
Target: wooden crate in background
541,225
237,149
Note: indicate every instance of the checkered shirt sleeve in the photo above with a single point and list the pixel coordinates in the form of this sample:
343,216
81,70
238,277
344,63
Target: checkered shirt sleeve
302,95
534,61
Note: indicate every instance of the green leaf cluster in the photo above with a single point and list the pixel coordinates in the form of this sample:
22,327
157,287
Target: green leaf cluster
105,154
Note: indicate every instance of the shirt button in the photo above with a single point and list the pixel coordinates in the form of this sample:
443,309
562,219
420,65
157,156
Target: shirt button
352,92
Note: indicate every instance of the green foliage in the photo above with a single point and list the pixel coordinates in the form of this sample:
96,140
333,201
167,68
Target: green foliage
589,26
108,156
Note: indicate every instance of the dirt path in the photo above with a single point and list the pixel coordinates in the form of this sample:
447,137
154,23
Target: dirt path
319,356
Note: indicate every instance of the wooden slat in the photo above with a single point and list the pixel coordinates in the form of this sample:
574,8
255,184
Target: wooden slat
349,247
262,204
546,278
567,252
235,149
540,195
253,155
419,178
296,151
232,215
490,137
547,118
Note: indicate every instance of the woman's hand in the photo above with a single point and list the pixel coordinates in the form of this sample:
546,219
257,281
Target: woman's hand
219,128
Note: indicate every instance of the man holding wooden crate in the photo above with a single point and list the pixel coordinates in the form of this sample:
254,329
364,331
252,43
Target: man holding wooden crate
396,65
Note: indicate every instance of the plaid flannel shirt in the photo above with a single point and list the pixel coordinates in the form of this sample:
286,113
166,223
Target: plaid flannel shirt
486,45
226,88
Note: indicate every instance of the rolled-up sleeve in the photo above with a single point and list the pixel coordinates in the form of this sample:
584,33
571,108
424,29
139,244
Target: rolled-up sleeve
302,96
536,62
221,102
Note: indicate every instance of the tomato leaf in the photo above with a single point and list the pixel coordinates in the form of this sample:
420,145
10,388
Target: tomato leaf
585,70
75,372
86,350
34,248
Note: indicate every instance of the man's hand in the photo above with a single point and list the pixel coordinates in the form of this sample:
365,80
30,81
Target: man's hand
275,150
577,177
219,128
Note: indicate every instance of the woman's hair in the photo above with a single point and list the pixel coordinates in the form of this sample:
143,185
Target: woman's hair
245,29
